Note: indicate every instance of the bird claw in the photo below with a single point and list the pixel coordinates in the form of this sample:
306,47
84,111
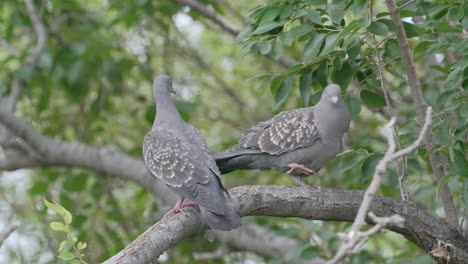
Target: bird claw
179,208
301,168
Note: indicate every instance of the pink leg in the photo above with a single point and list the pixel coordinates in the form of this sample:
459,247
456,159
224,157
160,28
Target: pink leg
299,167
179,207
301,183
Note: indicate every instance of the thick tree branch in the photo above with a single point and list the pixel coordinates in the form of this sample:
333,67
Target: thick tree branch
284,201
435,157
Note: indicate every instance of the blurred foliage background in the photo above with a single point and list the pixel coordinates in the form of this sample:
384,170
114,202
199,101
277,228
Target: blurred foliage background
92,84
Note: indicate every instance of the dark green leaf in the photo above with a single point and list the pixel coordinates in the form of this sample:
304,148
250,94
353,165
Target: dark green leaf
411,30
438,11
305,85
354,106
392,49
458,162
343,76
262,28
283,91
275,84
372,99
312,47
330,43
368,167
378,28
299,31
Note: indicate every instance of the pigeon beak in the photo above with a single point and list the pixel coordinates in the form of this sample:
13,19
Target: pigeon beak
335,99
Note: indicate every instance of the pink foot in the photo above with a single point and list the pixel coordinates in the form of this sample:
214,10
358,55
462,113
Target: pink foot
178,208
299,167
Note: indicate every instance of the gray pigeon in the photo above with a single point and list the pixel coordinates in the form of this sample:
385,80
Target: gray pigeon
298,142
176,153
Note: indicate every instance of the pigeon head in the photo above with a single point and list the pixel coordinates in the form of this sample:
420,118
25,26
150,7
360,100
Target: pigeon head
332,93
162,84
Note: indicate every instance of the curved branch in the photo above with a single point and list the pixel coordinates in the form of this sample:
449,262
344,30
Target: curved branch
284,201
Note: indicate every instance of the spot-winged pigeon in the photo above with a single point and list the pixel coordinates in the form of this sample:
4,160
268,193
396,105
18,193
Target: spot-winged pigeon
298,142
176,153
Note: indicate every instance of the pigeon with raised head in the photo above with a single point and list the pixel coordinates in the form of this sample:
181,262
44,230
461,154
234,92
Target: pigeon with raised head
298,142
176,153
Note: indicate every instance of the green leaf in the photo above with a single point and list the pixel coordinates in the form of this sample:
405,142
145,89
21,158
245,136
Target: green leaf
359,7
58,209
63,244
442,183
438,11
368,167
57,226
39,188
74,261
66,255
275,83
299,31
465,193
305,85
243,34
411,30
343,76
314,16
277,50
81,245
378,28
262,28
351,161
330,43
354,106
312,47
283,91
77,183
269,15
392,49
265,48
372,99
458,162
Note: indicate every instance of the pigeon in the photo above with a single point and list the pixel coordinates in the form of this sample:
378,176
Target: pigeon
298,142
177,154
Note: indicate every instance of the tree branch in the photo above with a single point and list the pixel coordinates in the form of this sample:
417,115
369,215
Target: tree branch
5,233
284,201
435,157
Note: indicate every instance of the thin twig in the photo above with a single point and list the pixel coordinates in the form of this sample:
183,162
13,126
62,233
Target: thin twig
354,238
404,172
5,233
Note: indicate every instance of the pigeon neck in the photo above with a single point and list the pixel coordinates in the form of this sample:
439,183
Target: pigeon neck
166,111
332,119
